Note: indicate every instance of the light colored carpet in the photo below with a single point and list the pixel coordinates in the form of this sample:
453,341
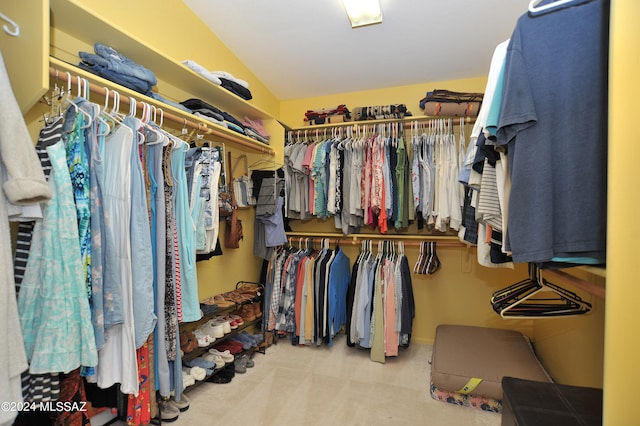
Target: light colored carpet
329,386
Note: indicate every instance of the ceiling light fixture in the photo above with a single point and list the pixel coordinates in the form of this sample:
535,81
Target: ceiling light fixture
363,12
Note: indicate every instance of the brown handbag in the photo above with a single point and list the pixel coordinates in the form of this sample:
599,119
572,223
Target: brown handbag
233,229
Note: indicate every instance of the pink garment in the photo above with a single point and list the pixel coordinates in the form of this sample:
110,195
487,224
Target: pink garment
377,183
366,181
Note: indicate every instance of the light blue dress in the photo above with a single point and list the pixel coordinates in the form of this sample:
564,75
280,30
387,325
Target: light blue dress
53,302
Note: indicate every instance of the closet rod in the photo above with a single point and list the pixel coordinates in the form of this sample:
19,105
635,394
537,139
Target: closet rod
406,122
95,87
590,288
411,240
292,242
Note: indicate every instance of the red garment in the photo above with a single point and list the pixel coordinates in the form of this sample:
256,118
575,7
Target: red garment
72,390
139,407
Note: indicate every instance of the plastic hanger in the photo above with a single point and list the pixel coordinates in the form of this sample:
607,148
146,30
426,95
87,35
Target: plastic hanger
154,136
525,305
68,100
536,9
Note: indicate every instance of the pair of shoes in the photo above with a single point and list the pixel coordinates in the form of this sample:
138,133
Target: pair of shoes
250,289
230,345
168,413
212,329
223,376
203,339
255,338
196,373
188,341
226,356
268,340
200,362
187,379
208,309
240,364
234,320
246,342
248,362
182,405
215,358
225,323
247,313
256,309
222,302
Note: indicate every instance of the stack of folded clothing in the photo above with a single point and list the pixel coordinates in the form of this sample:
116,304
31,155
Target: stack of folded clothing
255,129
380,112
339,114
234,84
116,67
453,104
221,78
211,113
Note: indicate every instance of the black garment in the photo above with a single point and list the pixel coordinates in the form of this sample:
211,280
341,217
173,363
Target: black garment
393,162
351,295
236,88
408,310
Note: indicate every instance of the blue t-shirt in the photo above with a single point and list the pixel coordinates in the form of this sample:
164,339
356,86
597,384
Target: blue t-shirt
553,120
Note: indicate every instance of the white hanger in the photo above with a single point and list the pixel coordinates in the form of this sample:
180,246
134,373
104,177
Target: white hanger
534,9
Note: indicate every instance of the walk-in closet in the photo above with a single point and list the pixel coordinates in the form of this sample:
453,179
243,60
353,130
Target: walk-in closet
277,213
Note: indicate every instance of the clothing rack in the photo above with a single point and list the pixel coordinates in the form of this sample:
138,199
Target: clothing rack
406,122
355,239
62,71
369,126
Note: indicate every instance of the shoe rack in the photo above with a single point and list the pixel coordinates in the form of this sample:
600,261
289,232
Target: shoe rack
239,303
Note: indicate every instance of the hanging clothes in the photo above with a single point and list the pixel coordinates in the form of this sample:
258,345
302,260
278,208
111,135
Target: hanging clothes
380,178
381,302
307,290
23,183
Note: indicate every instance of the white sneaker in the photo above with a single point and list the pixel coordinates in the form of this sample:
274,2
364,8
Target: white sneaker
213,329
226,324
204,339
216,359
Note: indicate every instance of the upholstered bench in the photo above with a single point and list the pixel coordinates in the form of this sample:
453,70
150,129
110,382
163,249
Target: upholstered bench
468,364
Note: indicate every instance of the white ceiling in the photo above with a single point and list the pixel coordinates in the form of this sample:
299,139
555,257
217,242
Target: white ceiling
307,48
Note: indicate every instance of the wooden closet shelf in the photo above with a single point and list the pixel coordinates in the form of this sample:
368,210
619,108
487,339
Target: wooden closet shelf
589,287
99,86
81,22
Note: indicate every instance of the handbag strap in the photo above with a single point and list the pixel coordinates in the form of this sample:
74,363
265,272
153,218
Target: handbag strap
233,194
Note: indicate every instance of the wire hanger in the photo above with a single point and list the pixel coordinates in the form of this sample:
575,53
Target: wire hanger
15,31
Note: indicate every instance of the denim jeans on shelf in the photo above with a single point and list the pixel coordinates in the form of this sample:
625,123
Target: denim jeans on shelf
119,63
132,83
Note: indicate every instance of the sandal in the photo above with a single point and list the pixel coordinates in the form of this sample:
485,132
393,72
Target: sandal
222,301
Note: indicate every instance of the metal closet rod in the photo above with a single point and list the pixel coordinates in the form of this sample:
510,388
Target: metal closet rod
409,240
200,127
